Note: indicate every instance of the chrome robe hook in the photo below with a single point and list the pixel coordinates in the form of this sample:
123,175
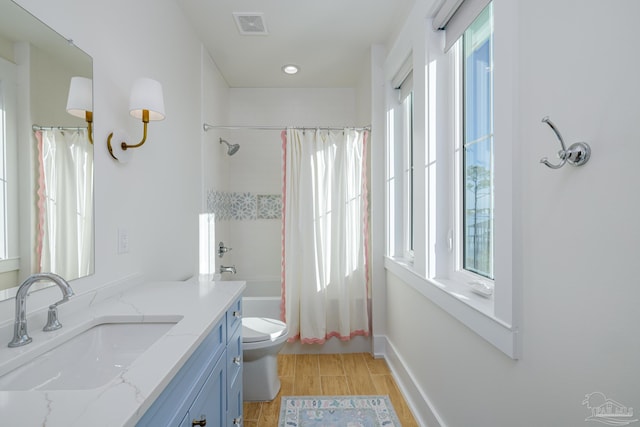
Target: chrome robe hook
577,155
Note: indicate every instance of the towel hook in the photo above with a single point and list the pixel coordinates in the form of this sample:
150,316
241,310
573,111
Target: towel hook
577,155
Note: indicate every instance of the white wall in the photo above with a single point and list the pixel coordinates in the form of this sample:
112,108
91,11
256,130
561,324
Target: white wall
578,231
215,111
157,196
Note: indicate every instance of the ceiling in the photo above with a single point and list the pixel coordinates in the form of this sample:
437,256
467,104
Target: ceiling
18,25
328,39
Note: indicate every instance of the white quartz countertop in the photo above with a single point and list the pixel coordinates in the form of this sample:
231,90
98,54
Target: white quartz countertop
122,401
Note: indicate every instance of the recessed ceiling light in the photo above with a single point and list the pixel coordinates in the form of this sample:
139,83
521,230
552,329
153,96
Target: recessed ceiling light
290,69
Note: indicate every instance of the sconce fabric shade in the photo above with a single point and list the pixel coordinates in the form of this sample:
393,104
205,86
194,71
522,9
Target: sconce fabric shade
146,94
80,99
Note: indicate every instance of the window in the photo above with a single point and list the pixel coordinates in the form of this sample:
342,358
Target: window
462,131
406,91
9,225
3,175
475,146
401,169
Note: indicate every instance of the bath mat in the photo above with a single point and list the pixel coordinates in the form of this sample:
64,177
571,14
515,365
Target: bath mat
337,411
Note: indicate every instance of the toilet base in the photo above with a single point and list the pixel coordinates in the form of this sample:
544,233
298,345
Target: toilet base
260,380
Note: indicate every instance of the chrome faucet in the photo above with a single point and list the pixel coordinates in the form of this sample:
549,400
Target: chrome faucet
20,335
231,269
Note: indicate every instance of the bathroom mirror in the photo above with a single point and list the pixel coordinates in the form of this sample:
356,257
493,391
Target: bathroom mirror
39,225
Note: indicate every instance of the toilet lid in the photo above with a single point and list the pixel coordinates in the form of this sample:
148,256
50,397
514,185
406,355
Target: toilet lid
255,329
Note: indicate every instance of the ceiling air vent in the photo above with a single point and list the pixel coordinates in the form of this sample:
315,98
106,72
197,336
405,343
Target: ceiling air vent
250,24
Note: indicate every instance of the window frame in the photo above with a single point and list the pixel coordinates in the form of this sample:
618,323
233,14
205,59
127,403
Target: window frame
10,222
400,169
408,176
4,181
459,272
496,319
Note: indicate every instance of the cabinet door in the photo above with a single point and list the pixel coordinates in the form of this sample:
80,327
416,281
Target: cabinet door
186,421
235,404
234,317
211,402
175,400
234,358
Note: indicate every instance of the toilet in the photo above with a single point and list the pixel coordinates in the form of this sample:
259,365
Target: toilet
262,339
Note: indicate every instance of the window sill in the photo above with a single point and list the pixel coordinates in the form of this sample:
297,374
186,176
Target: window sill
9,264
457,299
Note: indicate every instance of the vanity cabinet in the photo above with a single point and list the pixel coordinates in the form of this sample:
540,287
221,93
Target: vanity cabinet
208,388
209,406
234,364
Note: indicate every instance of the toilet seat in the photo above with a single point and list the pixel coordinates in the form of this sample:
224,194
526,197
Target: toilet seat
259,329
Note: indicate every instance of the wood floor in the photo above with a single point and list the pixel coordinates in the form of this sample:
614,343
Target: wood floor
329,375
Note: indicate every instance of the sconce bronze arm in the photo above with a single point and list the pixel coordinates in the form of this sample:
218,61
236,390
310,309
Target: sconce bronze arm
123,144
89,119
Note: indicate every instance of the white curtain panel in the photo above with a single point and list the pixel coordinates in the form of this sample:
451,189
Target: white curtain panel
65,203
325,279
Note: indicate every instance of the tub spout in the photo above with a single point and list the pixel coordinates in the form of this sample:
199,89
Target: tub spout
230,269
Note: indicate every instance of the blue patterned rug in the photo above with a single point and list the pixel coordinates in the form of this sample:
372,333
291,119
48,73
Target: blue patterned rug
337,411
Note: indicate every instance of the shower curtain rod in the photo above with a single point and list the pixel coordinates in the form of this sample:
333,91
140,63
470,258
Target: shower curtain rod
38,127
207,127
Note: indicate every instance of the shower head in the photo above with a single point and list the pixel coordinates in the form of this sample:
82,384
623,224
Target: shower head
233,148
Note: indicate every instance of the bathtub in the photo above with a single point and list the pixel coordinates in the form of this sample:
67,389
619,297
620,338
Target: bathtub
261,299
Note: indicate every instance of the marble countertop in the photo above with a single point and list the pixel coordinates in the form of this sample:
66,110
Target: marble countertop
123,400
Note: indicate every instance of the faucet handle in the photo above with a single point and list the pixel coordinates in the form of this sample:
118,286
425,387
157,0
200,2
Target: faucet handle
222,249
53,323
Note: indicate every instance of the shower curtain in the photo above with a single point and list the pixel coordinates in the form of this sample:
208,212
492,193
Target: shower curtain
325,227
65,202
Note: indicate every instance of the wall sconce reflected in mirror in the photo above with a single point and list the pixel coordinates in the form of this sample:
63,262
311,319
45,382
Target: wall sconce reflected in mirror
146,103
80,101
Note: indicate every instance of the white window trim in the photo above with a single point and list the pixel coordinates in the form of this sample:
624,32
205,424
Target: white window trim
408,192
456,270
397,191
8,71
495,319
476,312
9,264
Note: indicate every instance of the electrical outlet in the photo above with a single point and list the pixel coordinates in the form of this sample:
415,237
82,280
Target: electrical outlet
123,241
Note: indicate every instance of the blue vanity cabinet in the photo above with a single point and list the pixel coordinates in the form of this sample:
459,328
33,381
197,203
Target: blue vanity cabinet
234,316
206,389
234,371
209,406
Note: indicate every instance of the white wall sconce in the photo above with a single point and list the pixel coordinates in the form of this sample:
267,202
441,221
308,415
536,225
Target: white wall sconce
146,103
80,101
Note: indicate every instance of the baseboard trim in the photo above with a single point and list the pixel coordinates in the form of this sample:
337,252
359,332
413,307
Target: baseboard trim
379,346
421,407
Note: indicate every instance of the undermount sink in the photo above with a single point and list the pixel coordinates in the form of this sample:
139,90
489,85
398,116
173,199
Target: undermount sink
88,360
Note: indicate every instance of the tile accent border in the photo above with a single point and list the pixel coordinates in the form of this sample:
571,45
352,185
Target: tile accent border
243,206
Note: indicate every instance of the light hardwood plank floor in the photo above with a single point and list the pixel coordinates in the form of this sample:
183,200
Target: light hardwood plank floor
329,375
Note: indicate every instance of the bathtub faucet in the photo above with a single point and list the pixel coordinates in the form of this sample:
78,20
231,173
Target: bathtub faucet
230,269
222,249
